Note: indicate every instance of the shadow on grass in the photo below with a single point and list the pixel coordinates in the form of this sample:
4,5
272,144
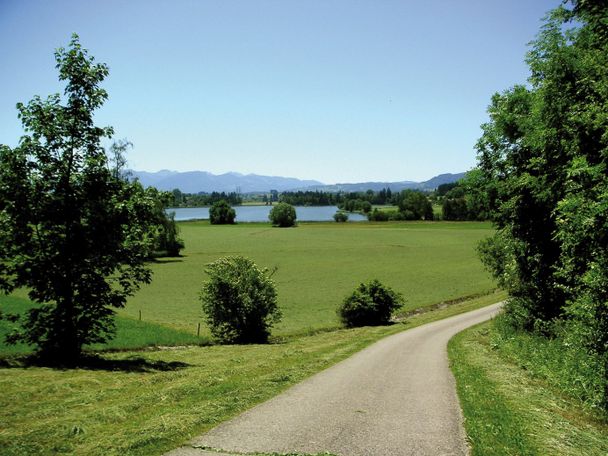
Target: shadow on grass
132,364
167,260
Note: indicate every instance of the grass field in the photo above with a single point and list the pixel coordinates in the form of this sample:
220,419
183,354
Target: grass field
510,409
318,265
148,402
130,333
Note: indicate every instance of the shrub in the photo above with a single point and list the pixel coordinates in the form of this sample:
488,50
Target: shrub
220,213
377,216
283,215
371,304
341,216
239,301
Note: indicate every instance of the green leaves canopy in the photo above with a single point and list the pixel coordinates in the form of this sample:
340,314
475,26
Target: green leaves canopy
71,229
545,151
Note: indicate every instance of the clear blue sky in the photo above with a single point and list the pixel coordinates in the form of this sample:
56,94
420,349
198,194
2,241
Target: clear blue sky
334,90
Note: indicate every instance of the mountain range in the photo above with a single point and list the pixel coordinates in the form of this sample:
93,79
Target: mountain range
202,181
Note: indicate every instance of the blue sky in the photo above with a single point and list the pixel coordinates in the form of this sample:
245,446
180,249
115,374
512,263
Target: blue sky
334,90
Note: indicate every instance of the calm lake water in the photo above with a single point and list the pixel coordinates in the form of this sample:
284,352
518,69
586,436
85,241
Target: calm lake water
260,213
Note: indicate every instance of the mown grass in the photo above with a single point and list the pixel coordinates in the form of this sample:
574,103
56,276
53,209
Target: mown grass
509,406
130,333
148,402
318,265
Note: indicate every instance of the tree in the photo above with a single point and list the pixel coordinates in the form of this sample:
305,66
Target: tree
545,153
415,205
371,304
468,199
72,230
168,241
283,215
239,300
220,213
341,216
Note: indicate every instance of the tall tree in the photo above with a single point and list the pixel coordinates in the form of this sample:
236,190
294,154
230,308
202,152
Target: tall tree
73,231
545,150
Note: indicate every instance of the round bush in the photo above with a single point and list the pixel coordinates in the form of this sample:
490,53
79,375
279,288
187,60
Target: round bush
283,215
341,216
239,301
371,304
220,213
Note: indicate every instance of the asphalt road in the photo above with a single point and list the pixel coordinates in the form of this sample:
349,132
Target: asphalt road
396,397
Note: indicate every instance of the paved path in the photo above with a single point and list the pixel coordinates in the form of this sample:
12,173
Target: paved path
396,397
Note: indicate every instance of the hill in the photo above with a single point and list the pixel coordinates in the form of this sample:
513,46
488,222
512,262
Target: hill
202,181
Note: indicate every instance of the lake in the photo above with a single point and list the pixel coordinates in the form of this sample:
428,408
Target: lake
260,213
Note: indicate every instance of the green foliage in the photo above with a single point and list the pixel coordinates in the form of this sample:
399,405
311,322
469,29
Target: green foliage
545,151
511,401
356,205
283,215
564,365
311,198
168,240
341,216
443,189
371,304
378,216
221,213
72,230
467,199
178,198
239,300
415,205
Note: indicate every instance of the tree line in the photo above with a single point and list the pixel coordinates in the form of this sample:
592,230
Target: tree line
177,198
543,170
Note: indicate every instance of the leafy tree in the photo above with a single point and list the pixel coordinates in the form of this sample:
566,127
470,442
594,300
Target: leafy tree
221,213
168,241
378,216
239,300
443,189
72,230
371,304
341,216
454,205
468,199
545,153
415,205
283,215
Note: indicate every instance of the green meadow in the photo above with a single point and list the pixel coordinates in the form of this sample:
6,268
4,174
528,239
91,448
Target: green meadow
317,265
144,402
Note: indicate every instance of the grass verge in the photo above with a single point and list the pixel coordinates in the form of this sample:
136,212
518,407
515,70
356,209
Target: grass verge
130,333
511,410
146,403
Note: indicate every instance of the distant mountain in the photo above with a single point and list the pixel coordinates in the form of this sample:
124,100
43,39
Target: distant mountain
430,184
202,181
436,181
